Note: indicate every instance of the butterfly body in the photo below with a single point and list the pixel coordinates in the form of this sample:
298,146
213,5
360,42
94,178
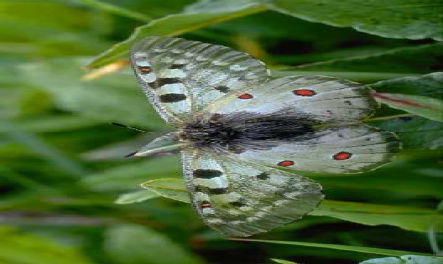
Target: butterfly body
242,131
237,128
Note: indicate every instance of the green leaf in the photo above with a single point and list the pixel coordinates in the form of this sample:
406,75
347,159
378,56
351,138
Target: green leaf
135,197
134,244
370,250
409,19
171,25
220,5
25,248
407,259
428,85
415,133
171,188
407,60
282,261
428,107
408,218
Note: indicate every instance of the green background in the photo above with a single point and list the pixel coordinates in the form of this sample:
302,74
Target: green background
67,195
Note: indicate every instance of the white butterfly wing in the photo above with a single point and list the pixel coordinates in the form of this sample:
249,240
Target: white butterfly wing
240,198
348,149
181,77
320,98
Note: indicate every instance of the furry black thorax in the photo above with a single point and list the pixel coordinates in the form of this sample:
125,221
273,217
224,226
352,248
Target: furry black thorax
241,131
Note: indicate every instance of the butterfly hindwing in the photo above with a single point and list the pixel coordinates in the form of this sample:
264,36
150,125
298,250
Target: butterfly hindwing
241,198
181,77
321,98
347,149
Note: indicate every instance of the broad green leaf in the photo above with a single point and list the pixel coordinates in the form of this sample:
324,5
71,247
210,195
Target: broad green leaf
427,107
134,244
409,19
219,5
427,85
415,133
282,261
25,248
171,25
408,259
171,188
135,197
114,98
370,250
414,219
421,59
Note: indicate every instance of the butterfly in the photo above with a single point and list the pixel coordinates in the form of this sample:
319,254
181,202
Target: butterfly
242,134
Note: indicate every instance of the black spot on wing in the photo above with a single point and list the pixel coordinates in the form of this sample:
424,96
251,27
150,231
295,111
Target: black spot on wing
204,189
207,174
263,176
172,98
163,81
223,89
159,82
218,191
176,66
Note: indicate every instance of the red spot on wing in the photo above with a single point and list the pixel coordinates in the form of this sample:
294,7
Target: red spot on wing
343,155
286,163
245,96
144,69
205,204
304,92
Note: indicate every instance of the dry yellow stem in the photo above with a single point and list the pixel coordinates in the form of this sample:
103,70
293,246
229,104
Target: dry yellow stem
107,69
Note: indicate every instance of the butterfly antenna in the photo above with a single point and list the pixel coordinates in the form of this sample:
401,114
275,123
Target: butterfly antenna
130,154
129,127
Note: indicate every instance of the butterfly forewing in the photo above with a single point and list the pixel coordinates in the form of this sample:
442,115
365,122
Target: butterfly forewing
239,198
320,98
181,77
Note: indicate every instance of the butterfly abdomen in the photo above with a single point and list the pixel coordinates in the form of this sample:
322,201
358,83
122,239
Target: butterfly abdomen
243,131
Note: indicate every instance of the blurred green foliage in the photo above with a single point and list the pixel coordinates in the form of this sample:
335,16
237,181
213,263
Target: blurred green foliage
62,165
